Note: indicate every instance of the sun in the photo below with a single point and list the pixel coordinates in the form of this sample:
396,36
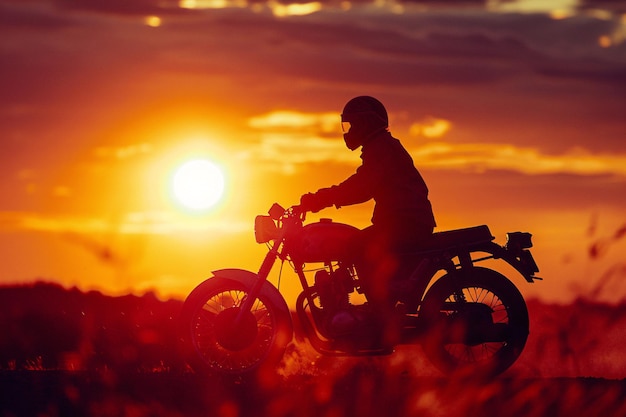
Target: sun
198,184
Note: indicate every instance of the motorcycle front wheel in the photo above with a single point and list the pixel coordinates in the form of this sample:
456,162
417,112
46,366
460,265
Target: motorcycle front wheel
477,322
219,337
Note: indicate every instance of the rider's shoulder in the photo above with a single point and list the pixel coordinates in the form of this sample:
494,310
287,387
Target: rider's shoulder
381,144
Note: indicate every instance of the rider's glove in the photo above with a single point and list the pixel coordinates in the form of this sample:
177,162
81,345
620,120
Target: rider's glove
310,202
315,202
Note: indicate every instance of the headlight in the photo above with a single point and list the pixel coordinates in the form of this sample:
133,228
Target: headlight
264,229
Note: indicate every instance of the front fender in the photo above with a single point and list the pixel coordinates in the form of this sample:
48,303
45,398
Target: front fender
248,278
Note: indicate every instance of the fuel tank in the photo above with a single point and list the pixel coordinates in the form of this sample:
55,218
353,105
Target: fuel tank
323,241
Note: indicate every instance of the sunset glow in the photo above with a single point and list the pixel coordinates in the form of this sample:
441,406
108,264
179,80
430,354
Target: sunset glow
511,110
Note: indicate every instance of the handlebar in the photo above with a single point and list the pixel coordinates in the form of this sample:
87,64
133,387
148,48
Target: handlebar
297,211
277,212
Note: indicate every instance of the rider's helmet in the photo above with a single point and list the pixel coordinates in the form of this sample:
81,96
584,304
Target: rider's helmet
361,118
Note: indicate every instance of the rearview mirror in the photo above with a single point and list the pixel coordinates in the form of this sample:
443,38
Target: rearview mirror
276,211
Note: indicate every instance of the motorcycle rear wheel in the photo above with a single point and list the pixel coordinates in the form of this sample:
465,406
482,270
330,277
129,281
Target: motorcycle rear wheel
477,323
218,337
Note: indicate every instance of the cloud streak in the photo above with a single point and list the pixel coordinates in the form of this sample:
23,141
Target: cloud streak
293,139
133,223
488,157
295,152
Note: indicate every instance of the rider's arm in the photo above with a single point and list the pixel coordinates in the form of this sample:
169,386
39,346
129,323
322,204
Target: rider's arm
354,190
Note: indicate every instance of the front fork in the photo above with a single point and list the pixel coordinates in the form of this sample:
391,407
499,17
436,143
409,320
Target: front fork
264,271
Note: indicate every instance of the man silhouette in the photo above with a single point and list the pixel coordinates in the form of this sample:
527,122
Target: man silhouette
402,216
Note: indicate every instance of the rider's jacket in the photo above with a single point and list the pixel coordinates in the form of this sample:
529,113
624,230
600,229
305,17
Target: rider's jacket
389,176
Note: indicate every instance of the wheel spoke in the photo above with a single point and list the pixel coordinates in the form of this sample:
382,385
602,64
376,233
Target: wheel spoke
205,338
479,321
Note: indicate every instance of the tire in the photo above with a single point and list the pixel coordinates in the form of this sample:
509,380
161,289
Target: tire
214,343
477,323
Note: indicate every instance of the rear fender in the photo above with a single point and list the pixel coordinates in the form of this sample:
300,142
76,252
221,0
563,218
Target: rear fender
521,260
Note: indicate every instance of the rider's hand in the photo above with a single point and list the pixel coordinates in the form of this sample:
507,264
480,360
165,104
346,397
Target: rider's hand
307,202
311,202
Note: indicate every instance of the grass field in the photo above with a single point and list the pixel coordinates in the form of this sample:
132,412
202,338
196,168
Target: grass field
362,390
65,353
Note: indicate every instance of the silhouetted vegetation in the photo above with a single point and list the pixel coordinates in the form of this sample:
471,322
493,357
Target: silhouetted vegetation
65,352
45,326
361,390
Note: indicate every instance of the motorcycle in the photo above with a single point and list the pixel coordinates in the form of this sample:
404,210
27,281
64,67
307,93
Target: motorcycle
468,318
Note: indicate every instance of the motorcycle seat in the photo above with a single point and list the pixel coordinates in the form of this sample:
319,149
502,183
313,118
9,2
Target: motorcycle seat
449,239
461,237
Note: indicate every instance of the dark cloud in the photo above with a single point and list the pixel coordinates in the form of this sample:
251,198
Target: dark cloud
34,18
173,7
593,72
167,7
466,67
618,6
119,6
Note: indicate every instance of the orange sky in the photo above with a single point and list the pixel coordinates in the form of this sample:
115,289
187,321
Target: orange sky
513,114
